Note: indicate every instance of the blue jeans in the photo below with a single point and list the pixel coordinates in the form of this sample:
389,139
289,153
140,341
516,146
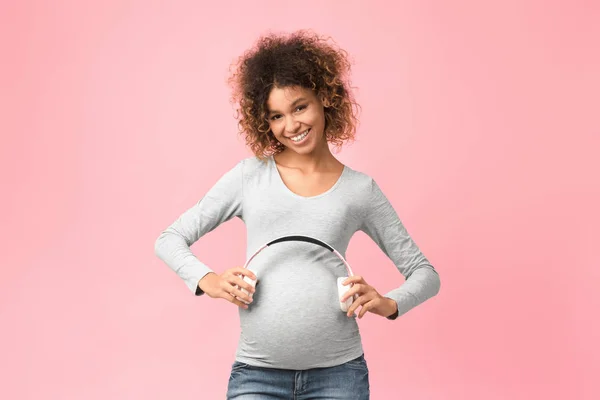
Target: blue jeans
347,381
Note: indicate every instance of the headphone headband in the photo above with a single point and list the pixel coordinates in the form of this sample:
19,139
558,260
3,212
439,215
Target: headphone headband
300,238
297,238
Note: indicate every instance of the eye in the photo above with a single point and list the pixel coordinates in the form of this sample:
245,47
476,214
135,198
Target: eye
301,108
275,117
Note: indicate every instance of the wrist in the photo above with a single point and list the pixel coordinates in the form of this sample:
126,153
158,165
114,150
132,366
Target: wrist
202,283
391,308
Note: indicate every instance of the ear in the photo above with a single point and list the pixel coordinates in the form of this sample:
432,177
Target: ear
324,101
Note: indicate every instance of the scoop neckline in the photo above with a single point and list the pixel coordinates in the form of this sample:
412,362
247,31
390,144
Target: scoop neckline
280,181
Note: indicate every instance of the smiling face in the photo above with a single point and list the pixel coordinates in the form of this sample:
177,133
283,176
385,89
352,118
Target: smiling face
297,119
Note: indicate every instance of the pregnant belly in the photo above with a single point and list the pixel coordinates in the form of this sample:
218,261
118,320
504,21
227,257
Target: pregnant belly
296,320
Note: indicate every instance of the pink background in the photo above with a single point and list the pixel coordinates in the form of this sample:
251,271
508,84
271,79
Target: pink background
479,120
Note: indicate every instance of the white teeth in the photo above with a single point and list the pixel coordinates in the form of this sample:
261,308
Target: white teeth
300,137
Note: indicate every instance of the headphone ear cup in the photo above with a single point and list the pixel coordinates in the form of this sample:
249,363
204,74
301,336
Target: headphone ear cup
251,281
344,306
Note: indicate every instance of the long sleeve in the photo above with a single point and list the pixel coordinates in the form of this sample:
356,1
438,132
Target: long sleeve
220,204
382,224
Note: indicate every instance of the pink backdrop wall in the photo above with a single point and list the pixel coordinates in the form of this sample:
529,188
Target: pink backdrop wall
479,121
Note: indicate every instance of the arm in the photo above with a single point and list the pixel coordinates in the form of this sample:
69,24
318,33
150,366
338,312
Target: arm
221,203
383,226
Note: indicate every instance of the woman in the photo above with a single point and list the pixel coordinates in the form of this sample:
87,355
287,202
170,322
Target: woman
294,101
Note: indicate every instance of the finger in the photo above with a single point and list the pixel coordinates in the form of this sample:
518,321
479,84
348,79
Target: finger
357,288
360,300
232,290
237,302
238,281
244,271
236,292
233,299
366,307
354,279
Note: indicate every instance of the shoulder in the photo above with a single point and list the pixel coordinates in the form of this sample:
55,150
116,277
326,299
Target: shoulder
362,183
371,203
253,166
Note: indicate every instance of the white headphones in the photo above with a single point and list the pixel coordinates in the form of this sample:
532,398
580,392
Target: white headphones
341,288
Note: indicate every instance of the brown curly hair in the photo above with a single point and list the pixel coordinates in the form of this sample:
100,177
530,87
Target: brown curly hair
303,59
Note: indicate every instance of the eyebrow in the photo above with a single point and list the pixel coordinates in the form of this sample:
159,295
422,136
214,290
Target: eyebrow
294,103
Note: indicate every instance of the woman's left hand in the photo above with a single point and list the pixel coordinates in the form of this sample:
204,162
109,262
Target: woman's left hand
368,298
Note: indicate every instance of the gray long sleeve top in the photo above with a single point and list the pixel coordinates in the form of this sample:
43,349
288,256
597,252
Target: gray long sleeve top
295,321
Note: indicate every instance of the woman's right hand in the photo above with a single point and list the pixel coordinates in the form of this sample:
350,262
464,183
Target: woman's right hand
227,286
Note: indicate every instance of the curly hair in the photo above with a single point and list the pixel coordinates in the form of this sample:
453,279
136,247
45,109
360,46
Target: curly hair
302,59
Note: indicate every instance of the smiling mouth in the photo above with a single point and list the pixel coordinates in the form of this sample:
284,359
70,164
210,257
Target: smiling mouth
300,137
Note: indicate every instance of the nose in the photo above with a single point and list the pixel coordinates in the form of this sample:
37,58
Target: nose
291,125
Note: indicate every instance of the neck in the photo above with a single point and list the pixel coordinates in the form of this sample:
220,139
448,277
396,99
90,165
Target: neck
318,160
